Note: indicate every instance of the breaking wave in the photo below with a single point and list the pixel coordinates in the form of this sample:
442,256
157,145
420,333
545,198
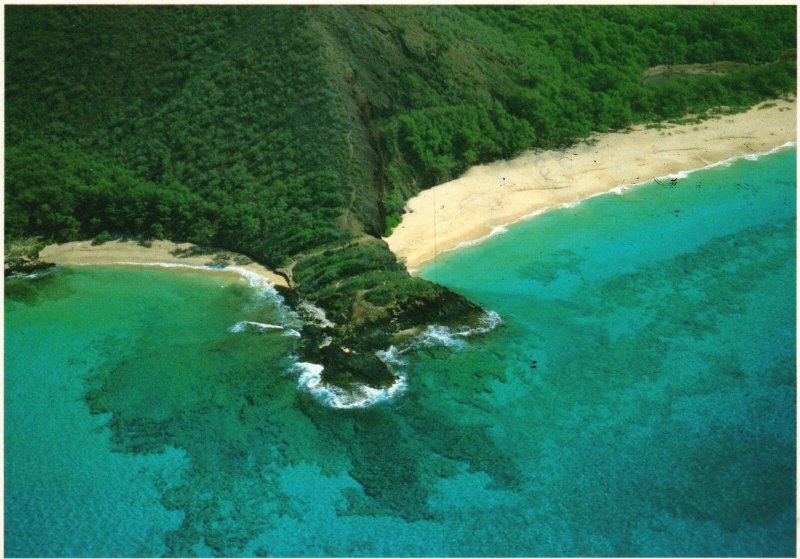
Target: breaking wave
391,357
259,282
361,395
496,230
358,396
619,189
755,156
262,285
435,334
243,325
680,175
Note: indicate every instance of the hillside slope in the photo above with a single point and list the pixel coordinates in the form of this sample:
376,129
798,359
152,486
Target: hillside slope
294,135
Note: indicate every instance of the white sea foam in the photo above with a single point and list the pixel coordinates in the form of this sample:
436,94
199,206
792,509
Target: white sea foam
496,230
357,396
727,162
776,149
531,215
391,357
242,325
437,335
680,175
263,289
310,374
620,189
255,280
487,322
165,265
291,332
361,395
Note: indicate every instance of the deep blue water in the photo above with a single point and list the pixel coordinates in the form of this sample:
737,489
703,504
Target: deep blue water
638,398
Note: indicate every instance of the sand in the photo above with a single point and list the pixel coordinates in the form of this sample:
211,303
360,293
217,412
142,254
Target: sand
130,253
488,197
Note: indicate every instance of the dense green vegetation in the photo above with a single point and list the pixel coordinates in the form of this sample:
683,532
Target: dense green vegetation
295,134
233,142
497,80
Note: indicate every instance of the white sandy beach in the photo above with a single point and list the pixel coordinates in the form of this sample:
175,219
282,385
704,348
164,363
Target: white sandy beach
489,196
130,253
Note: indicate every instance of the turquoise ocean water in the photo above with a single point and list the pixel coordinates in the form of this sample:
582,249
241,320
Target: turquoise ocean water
638,398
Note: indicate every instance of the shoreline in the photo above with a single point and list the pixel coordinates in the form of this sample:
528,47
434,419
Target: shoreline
158,254
488,198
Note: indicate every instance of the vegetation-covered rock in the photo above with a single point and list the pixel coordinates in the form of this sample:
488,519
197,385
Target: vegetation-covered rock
294,135
22,257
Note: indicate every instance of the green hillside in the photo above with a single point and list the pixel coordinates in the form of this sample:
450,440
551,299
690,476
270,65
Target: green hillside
294,135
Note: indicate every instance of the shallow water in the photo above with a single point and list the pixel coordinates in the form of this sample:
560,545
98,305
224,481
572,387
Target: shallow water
637,399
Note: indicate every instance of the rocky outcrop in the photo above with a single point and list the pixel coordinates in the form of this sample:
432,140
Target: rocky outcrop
348,350
24,265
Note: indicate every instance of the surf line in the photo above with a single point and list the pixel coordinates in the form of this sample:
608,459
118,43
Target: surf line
618,190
